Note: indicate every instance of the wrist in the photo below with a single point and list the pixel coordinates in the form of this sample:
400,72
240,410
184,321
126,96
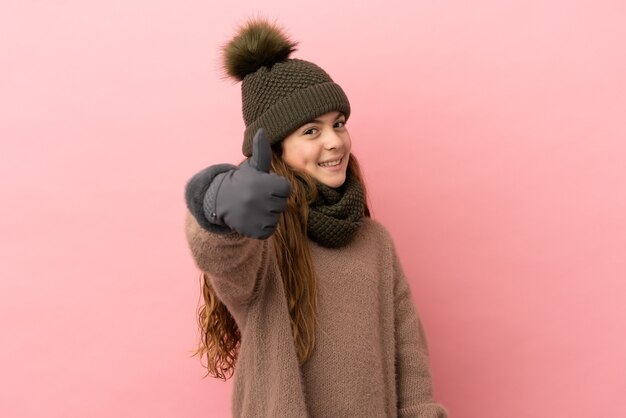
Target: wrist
210,197
196,189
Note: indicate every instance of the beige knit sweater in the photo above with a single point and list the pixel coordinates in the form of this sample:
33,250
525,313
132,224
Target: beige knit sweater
370,357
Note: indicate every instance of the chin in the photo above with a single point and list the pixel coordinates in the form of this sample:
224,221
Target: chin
334,183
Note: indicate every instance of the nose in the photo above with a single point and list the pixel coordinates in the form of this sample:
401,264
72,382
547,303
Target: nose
333,140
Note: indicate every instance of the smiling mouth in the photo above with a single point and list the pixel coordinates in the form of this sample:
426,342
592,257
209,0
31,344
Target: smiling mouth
331,163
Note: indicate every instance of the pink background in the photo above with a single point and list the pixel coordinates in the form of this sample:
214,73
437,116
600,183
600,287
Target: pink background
492,135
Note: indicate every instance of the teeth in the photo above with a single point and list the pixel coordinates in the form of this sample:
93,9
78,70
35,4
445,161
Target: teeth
330,164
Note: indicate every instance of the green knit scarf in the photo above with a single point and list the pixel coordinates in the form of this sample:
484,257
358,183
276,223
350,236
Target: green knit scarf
336,214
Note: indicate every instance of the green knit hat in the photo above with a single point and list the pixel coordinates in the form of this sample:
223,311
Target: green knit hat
278,93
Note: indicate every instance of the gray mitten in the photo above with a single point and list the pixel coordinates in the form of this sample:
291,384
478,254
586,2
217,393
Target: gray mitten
250,199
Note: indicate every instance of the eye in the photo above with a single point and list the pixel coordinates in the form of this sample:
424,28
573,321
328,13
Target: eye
342,123
309,130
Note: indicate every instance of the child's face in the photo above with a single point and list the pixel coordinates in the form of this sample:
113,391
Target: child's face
326,139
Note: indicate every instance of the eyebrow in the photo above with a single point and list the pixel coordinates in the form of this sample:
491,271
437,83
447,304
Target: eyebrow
320,121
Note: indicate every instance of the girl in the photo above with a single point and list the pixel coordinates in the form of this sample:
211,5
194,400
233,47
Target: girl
305,299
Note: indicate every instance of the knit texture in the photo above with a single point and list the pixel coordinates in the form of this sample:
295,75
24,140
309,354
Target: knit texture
336,214
285,96
371,355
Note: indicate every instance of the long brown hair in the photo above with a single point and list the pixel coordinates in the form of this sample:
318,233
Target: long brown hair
220,337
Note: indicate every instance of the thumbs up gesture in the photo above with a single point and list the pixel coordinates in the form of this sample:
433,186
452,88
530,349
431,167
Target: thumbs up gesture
250,198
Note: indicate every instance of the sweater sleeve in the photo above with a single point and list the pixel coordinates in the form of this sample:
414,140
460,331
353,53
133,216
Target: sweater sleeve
413,374
236,265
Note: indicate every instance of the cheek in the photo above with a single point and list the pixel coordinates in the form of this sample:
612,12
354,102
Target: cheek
348,143
299,157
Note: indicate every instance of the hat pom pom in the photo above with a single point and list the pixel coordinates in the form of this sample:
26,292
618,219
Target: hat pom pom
258,43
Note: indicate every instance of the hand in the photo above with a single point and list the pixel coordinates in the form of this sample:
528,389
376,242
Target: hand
250,198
